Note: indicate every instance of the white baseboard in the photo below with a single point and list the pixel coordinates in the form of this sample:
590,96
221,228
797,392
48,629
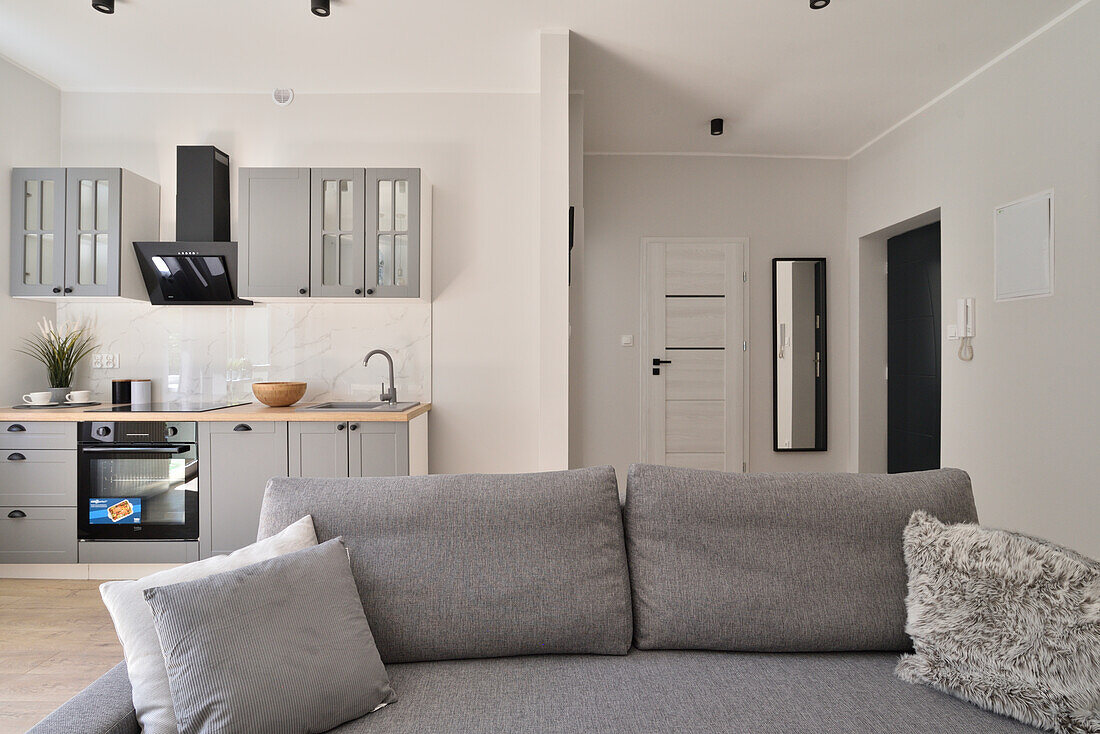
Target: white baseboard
85,571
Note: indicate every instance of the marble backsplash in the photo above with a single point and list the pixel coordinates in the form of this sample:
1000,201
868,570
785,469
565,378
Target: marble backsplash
217,352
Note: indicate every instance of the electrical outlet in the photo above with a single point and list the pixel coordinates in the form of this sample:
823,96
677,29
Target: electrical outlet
97,361
105,362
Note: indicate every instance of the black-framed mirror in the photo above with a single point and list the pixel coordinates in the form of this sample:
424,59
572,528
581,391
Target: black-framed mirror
799,410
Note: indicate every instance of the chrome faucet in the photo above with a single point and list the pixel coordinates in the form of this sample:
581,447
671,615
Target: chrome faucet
387,396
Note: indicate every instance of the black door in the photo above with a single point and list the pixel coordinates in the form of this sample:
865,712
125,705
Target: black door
913,335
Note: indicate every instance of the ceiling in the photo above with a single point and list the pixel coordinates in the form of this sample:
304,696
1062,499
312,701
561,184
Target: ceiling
788,80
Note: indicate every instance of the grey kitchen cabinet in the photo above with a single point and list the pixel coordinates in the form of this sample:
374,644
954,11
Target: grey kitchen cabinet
337,227
73,231
235,462
349,449
38,477
393,232
37,534
274,232
37,231
318,449
37,435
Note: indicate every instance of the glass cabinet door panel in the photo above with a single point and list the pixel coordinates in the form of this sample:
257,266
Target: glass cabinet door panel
32,216
101,259
347,210
85,271
347,260
46,276
31,260
331,260
385,259
87,205
385,206
331,207
401,259
401,206
47,205
102,207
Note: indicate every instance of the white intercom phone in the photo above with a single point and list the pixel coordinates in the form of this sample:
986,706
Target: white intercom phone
965,321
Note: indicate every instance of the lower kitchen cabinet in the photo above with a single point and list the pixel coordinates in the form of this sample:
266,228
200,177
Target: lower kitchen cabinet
37,535
349,449
235,462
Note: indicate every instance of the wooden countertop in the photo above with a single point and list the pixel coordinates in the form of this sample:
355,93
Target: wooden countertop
250,412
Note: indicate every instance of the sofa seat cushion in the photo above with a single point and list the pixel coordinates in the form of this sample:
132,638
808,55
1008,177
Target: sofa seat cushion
671,691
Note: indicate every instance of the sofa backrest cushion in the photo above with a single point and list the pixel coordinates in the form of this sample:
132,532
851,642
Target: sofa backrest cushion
476,565
776,562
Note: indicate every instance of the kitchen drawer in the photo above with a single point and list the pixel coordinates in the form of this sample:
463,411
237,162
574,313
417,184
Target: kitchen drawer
244,427
37,435
37,534
168,551
38,478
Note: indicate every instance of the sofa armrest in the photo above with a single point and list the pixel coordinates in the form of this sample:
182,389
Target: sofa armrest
104,707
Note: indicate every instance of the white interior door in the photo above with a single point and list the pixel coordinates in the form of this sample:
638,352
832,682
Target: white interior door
693,380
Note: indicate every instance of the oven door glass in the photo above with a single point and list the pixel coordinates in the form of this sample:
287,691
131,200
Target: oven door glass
139,492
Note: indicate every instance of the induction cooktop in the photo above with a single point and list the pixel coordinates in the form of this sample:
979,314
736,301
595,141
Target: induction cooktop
180,407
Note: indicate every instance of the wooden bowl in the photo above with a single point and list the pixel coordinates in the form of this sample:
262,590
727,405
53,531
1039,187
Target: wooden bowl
278,394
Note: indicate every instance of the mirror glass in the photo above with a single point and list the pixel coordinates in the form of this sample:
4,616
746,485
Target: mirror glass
798,355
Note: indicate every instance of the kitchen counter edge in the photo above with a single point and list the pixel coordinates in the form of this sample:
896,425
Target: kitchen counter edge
250,412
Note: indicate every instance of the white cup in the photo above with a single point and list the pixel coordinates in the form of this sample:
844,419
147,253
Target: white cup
79,396
37,398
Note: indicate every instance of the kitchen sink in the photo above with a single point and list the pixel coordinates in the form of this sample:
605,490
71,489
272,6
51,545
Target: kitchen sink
372,407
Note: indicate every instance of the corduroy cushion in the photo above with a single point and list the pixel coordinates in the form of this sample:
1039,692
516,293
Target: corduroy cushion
776,562
477,565
278,646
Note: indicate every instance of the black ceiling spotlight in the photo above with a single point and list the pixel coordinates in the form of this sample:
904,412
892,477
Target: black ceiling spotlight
320,8
818,4
717,126
104,6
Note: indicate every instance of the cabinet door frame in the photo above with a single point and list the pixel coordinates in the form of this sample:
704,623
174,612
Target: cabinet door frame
19,178
378,431
412,287
111,287
297,429
301,179
357,232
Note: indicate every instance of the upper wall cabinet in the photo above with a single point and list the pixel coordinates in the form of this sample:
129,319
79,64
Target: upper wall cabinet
334,233
273,233
73,229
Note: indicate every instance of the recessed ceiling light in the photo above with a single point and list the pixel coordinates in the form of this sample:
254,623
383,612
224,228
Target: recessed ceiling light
104,6
320,7
818,4
717,126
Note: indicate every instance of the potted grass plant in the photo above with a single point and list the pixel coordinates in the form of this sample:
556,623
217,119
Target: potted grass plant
60,349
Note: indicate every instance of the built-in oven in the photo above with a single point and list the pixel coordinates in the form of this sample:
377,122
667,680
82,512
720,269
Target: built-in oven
137,480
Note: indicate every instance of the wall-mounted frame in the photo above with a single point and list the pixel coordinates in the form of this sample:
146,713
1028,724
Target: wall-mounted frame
799,366
1023,249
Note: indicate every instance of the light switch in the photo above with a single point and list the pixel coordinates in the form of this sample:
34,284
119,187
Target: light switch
627,340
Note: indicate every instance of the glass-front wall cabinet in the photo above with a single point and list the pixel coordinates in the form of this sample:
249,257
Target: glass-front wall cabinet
338,226
38,231
393,244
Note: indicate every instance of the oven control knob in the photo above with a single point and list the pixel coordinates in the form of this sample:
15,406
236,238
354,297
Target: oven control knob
171,431
103,431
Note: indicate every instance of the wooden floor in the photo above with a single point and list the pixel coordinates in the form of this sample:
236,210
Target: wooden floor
55,638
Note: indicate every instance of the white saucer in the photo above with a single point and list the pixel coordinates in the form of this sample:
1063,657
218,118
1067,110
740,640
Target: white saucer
37,405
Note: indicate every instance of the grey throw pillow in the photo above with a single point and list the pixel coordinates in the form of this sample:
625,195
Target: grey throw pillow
282,645
1005,621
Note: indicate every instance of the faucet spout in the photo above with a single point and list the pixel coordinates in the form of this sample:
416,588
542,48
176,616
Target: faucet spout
387,396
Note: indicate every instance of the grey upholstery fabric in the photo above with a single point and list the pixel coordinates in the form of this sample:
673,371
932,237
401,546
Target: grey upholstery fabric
476,565
776,562
104,707
281,645
672,692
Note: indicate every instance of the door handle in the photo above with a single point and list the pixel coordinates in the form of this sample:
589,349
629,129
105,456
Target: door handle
657,362
16,514
135,449
16,457
242,427
16,428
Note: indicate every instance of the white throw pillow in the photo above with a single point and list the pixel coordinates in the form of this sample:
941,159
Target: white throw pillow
133,619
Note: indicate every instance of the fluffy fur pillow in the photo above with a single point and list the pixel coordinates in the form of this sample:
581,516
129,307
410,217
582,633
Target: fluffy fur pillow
1005,621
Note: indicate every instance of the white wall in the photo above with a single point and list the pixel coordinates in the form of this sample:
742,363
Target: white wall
787,208
30,135
1024,417
481,153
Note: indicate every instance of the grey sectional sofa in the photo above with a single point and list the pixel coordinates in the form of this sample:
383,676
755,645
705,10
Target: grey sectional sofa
709,603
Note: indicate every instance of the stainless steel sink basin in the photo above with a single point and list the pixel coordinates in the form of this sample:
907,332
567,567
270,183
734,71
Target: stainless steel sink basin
370,407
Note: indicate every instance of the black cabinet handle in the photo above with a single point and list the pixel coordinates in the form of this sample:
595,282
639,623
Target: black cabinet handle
302,291
56,290
16,457
68,289
16,514
370,291
354,426
242,427
358,291
16,428
339,426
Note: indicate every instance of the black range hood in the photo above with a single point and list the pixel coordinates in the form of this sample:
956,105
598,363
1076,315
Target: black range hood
200,267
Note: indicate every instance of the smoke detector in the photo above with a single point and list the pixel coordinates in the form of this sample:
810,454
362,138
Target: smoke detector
282,96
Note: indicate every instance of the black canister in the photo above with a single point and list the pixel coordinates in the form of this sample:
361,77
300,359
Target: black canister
120,392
